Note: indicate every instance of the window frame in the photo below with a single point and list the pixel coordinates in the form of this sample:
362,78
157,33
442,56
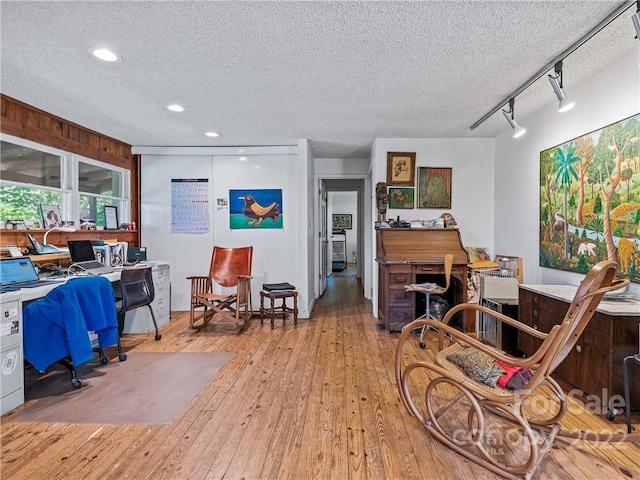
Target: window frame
69,181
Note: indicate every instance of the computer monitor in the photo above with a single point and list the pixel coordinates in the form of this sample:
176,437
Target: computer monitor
136,254
81,250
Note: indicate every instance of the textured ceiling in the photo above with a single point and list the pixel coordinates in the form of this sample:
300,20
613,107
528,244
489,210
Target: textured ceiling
268,73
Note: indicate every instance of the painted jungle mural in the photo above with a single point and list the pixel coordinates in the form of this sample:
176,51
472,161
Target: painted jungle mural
590,200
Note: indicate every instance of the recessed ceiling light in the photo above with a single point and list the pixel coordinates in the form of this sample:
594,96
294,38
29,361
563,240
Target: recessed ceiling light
212,134
104,54
175,107
243,159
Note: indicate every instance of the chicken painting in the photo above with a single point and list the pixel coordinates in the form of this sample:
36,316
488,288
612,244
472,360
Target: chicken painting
256,213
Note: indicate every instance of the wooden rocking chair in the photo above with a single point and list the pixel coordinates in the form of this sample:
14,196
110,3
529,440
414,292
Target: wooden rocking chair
500,429
230,268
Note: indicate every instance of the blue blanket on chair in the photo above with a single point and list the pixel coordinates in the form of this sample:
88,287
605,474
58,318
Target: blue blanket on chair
57,326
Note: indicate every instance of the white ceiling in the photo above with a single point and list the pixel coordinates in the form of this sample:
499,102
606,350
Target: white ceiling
269,73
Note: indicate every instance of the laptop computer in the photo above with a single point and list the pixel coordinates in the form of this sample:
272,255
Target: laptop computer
19,272
83,255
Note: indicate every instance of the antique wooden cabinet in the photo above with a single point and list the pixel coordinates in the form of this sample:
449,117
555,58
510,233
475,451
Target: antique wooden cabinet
416,255
595,363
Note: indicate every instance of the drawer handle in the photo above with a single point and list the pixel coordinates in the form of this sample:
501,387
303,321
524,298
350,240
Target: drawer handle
535,299
535,327
535,313
578,348
426,269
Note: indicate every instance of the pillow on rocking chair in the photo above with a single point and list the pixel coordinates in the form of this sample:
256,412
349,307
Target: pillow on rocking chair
478,365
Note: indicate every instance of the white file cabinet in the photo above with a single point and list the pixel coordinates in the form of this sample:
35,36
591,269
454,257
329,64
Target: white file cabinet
11,356
139,320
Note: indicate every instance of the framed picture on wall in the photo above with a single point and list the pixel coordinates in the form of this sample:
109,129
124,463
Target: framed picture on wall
401,168
401,197
434,187
342,221
255,209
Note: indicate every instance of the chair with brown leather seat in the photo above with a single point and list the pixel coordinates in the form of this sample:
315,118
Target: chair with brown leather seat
230,277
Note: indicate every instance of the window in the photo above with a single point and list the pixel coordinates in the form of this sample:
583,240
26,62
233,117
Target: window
33,174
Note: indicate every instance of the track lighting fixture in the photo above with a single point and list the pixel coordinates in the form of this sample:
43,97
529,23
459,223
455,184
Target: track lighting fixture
508,114
619,10
556,83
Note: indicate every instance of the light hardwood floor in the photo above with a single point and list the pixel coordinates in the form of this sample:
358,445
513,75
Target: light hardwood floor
317,400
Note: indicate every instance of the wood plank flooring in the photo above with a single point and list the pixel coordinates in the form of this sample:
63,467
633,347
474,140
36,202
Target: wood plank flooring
312,401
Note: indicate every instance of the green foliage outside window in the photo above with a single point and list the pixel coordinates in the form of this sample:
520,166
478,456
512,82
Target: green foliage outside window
22,203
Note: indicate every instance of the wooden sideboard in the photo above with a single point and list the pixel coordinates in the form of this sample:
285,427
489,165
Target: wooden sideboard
416,255
595,363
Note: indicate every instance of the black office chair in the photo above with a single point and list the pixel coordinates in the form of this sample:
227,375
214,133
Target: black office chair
136,290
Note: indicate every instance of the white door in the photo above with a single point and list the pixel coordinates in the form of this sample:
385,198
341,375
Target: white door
324,243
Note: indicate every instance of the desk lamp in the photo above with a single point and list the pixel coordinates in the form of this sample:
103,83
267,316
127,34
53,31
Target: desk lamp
59,229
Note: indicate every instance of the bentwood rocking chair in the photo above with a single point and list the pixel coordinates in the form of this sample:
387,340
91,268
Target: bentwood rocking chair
230,270
457,394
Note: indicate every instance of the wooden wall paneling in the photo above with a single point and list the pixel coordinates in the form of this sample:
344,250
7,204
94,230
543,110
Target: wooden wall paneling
24,121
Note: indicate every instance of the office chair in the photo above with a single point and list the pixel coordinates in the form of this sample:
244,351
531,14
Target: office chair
432,289
56,327
230,268
136,290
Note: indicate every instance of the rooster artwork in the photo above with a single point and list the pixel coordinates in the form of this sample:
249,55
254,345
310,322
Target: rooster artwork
255,209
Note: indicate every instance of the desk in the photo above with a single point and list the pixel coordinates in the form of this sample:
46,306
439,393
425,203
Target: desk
416,255
595,363
136,321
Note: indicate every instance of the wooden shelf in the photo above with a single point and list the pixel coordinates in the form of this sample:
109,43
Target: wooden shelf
19,237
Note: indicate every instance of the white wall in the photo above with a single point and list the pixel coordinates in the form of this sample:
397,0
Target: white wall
605,98
279,254
472,198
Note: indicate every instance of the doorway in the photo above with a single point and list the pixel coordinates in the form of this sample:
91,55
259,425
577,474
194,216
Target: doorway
343,198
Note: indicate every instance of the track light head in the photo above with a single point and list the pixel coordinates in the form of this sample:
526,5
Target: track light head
635,18
518,131
556,83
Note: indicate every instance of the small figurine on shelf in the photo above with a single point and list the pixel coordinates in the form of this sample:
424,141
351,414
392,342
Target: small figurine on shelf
449,221
382,200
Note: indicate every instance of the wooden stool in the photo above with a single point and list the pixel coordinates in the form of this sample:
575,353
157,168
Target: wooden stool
273,309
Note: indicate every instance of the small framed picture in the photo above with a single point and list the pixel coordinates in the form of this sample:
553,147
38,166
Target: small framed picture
110,217
342,221
401,197
33,224
51,216
401,168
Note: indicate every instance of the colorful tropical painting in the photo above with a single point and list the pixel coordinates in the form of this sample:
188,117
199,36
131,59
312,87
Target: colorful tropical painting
590,200
255,209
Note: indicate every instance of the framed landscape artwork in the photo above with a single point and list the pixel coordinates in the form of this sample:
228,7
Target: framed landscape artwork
590,200
401,168
434,187
342,221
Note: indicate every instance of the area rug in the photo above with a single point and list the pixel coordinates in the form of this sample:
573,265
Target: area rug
148,388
